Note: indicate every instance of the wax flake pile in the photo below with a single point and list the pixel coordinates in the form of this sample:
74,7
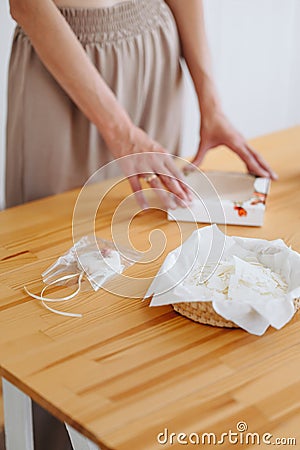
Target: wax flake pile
234,278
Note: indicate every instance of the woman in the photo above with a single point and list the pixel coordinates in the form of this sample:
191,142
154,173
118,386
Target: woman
96,79
92,80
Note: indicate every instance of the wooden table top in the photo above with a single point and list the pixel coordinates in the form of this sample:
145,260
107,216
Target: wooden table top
125,372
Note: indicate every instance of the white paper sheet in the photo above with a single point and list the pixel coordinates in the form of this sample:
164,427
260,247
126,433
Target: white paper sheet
257,298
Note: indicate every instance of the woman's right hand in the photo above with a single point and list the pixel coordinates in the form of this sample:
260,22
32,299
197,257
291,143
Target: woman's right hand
149,160
66,60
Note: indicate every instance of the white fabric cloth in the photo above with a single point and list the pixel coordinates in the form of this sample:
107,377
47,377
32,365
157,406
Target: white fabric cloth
252,282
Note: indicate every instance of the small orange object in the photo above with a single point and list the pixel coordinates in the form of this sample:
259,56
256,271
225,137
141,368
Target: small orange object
259,198
241,211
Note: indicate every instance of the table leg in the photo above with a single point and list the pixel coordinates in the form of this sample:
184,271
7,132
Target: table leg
17,418
80,442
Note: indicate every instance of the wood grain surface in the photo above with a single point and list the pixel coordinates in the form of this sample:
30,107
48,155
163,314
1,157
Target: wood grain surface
125,372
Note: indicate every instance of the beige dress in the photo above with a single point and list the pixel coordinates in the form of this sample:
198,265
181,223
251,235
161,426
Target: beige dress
51,145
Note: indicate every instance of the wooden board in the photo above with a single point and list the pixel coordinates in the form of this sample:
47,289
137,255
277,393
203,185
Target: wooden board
125,372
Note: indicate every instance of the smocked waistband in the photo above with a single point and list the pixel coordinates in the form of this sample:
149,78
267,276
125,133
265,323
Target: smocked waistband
116,22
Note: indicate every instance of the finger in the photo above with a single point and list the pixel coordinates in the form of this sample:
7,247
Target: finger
178,174
263,163
165,196
138,192
252,164
180,197
172,178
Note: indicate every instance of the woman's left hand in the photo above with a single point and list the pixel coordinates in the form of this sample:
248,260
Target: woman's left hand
217,130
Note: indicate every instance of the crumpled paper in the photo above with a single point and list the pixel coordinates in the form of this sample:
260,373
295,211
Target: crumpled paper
252,282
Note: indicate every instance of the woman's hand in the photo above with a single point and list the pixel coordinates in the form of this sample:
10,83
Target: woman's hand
217,130
66,60
147,159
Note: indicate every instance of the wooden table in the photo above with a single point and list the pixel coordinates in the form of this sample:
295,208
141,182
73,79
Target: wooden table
125,372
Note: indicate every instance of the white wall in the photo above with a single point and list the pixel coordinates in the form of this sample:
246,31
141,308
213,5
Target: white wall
255,47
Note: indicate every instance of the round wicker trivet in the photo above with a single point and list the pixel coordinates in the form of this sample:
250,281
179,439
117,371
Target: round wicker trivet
203,312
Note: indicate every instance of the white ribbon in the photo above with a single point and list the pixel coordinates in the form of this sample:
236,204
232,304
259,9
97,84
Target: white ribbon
44,299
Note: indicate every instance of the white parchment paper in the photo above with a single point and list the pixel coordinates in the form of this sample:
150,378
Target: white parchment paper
257,299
